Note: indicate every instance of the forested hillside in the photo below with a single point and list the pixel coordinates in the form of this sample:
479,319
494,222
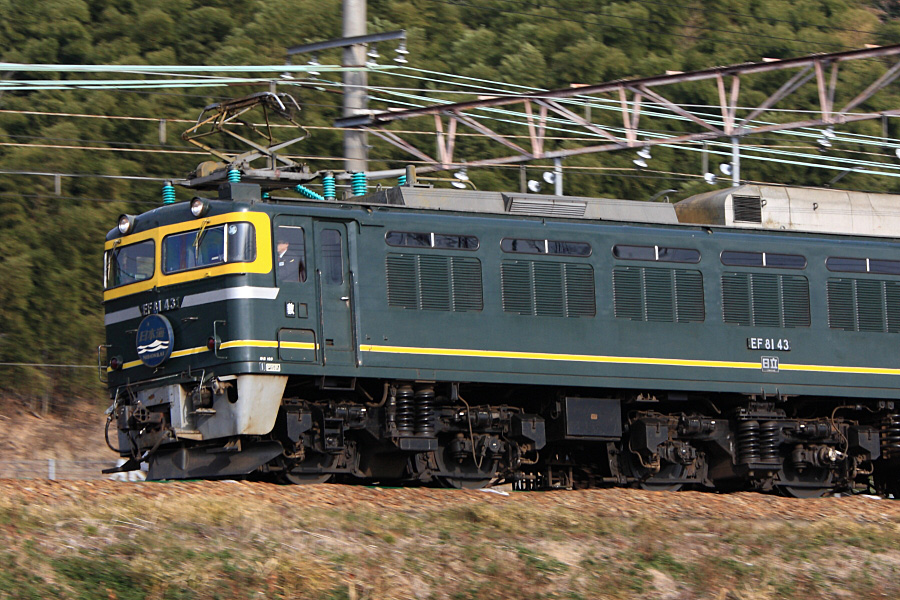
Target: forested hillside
50,244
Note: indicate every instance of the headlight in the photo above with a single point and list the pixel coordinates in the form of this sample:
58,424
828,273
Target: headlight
126,224
199,207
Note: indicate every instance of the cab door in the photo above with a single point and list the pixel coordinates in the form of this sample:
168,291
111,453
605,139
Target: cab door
297,298
333,279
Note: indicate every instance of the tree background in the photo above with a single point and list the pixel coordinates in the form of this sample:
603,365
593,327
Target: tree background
51,245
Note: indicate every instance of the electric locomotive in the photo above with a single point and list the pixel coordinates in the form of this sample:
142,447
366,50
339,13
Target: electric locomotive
464,338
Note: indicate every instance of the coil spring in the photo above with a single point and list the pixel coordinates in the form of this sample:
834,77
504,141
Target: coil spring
406,411
328,186
358,183
748,442
401,180
890,436
308,192
768,442
168,193
234,176
425,412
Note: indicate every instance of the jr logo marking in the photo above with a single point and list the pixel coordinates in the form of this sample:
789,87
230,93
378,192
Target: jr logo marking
154,340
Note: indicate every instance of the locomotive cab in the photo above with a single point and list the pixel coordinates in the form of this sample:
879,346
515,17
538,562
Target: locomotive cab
181,360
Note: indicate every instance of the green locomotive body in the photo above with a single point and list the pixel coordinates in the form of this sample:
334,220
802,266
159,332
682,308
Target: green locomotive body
466,338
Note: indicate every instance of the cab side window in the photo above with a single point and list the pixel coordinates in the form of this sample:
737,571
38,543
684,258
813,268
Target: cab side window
333,268
290,254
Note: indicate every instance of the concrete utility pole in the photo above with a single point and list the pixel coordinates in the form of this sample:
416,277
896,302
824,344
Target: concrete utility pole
356,97
557,176
735,162
355,84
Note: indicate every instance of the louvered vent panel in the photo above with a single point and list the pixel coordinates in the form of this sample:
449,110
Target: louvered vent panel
747,209
795,300
467,285
434,282
659,294
689,306
402,283
736,298
870,305
841,314
628,296
580,299
765,298
892,304
546,207
549,298
517,292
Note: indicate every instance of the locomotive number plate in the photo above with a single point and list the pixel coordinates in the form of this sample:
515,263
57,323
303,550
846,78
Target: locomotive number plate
777,344
158,306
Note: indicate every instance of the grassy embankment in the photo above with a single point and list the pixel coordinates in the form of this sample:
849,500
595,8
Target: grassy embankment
213,544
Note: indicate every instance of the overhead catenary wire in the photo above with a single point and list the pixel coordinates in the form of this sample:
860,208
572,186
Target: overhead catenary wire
867,139
587,101
46,365
75,198
510,116
90,175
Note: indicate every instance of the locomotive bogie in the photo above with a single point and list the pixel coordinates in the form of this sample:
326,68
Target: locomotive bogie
372,341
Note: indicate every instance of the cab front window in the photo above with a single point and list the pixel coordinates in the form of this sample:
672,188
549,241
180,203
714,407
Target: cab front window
129,264
208,247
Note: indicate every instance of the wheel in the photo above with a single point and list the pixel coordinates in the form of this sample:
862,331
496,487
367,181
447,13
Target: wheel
811,482
666,480
310,470
663,481
464,474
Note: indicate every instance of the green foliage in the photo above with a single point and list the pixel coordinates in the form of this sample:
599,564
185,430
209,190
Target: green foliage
51,245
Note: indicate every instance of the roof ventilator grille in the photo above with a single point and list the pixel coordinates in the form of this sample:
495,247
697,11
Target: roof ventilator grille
544,207
747,209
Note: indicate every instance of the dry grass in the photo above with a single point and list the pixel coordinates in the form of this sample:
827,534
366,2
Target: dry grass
134,546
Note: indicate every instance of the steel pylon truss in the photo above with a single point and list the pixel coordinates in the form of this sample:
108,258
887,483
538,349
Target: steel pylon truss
527,118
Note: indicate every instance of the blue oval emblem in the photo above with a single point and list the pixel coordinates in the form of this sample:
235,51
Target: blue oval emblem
154,340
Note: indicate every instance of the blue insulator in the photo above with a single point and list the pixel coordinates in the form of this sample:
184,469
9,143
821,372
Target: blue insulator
401,180
234,176
358,183
308,192
329,187
266,195
168,193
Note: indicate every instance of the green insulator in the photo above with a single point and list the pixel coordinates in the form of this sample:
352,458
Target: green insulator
308,192
329,188
401,180
234,176
358,183
168,193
